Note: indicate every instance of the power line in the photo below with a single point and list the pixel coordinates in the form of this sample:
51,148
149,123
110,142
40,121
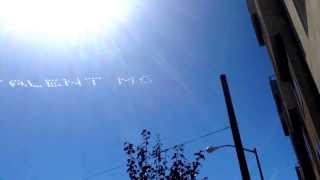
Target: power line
103,172
106,171
198,138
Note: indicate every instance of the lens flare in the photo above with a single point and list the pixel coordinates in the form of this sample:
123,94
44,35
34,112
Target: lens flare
61,19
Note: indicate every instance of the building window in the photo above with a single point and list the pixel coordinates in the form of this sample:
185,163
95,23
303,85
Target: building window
299,172
312,151
280,108
299,97
302,12
318,151
281,58
258,29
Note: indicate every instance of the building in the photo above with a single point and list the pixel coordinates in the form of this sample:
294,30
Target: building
290,31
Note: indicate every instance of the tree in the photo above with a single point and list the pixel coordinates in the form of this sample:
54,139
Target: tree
147,162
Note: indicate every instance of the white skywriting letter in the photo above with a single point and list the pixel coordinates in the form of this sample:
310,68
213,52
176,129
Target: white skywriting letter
129,81
76,82
53,83
33,85
17,83
146,79
93,80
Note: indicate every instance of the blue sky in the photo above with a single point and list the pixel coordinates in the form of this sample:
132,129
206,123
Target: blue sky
69,133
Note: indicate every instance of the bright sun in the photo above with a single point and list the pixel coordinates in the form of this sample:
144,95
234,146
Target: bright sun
61,19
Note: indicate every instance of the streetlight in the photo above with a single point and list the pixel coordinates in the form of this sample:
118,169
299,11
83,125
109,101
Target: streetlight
212,149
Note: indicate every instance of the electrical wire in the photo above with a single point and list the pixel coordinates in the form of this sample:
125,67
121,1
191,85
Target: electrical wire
106,171
198,138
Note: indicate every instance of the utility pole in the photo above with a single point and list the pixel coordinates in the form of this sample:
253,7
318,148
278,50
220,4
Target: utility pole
235,129
258,163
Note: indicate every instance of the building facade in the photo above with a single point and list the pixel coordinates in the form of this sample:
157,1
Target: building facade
290,31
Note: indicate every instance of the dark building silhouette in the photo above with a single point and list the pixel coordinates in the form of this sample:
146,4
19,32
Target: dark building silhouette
290,31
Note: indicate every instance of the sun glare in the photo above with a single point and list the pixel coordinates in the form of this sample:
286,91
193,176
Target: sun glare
61,19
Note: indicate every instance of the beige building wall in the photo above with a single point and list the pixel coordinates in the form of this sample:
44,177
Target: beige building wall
280,25
310,41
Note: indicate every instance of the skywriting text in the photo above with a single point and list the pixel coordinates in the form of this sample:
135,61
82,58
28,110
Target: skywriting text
77,82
